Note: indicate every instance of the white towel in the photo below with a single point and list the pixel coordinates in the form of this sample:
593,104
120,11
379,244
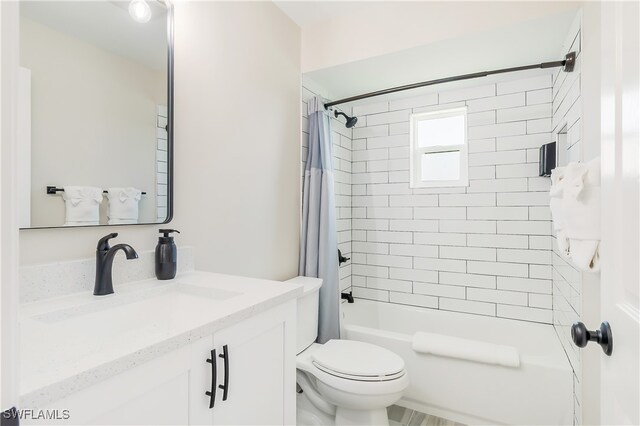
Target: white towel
82,205
471,350
123,205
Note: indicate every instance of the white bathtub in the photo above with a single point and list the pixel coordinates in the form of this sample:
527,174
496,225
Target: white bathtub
539,392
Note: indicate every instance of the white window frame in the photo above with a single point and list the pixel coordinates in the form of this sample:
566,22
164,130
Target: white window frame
416,152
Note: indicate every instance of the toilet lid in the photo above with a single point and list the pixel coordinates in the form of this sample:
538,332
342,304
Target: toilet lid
358,360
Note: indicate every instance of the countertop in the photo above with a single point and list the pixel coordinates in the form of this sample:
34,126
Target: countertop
72,342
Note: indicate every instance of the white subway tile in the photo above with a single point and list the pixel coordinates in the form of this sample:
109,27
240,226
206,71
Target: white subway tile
413,250
370,270
441,239
540,242
414,275
524,227
539,184
440,290
498,130
360,189
523,141
523,199
413,200
371,294
525,313
370,224
468,280
522,85
359,167
370,132
358,144
389,237
468,226
497,102
389,212
388,260
493,158
413,225
399,176
540,301
467,306
533,155
498,185
467,93
529,285
401,152
373,108
498,268
517,170
374,248
456,200
540,257
371,154
497,213
542,125
540,96
395,285
439,213
388,188
539,213
497,241
358,281
529,112
497,296
414,300
388,141
540,271
439,107
376,177
482,145
481,118
400,128
450,265
391,117
370,201
468,253
418,101
482,172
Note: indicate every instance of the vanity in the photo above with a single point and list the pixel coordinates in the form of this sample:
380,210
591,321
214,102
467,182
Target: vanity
198,349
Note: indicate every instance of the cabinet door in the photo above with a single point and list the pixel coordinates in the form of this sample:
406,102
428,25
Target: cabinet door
260,370
202,379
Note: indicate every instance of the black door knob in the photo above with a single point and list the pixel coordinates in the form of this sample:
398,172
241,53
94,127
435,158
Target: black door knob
603,336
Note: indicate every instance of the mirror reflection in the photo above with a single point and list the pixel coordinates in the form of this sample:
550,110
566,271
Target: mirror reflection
93,113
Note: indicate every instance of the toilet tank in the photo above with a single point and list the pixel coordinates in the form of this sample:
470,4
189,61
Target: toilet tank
307,317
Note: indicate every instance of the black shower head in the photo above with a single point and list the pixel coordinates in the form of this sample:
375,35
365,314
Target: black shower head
351,121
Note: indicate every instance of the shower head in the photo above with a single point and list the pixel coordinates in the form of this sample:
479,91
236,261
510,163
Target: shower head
351,121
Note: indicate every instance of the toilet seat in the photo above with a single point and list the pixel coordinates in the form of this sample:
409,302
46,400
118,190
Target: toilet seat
360,361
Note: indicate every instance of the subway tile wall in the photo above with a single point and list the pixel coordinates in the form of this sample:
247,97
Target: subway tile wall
482,249
341,138
567,280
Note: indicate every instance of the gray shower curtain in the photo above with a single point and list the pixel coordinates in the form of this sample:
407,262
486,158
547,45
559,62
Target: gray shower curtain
318,239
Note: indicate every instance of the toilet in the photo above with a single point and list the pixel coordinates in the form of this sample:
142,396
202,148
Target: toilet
342,382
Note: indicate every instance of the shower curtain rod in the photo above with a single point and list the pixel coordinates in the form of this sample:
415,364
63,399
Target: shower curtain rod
568,63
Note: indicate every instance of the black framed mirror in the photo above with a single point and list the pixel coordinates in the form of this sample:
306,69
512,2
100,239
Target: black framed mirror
95,116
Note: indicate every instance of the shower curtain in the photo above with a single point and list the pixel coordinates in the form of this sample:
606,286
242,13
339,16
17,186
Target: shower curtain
318,239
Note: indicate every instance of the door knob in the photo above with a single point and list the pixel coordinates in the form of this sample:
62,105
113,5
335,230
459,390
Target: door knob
603,336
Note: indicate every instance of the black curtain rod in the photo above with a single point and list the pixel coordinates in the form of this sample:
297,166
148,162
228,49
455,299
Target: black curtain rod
568,63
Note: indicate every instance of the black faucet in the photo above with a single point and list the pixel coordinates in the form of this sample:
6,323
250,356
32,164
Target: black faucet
104,263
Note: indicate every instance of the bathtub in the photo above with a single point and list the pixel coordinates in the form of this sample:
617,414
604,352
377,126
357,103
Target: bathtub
538,392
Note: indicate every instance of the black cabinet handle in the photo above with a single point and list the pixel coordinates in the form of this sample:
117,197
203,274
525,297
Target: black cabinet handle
225,388
214,373
604,337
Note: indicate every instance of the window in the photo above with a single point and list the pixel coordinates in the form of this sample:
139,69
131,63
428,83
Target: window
439,148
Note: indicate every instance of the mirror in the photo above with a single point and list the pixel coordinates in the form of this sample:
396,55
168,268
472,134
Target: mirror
95,113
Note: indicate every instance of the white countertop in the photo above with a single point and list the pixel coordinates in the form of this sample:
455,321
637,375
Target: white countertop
72,342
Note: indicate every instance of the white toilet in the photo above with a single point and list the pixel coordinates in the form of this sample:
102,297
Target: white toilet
342,382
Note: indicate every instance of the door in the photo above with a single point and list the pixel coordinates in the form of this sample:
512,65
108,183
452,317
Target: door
254,373
620,249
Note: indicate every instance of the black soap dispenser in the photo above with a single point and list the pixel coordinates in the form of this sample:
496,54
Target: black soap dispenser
166,256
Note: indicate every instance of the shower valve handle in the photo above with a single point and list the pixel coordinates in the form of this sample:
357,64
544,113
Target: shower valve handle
603,336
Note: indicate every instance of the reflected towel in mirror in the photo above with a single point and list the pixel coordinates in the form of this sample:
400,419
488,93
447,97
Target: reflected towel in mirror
82,205
123,205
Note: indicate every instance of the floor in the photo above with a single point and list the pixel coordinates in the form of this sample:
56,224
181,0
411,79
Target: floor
400,416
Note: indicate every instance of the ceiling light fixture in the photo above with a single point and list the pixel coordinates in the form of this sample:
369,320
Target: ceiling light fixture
140,11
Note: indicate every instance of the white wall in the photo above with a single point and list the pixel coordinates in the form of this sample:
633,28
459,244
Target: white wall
482,249
93,116
237,132
357,30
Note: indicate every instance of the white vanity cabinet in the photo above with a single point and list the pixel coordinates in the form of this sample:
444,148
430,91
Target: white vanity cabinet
171,389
